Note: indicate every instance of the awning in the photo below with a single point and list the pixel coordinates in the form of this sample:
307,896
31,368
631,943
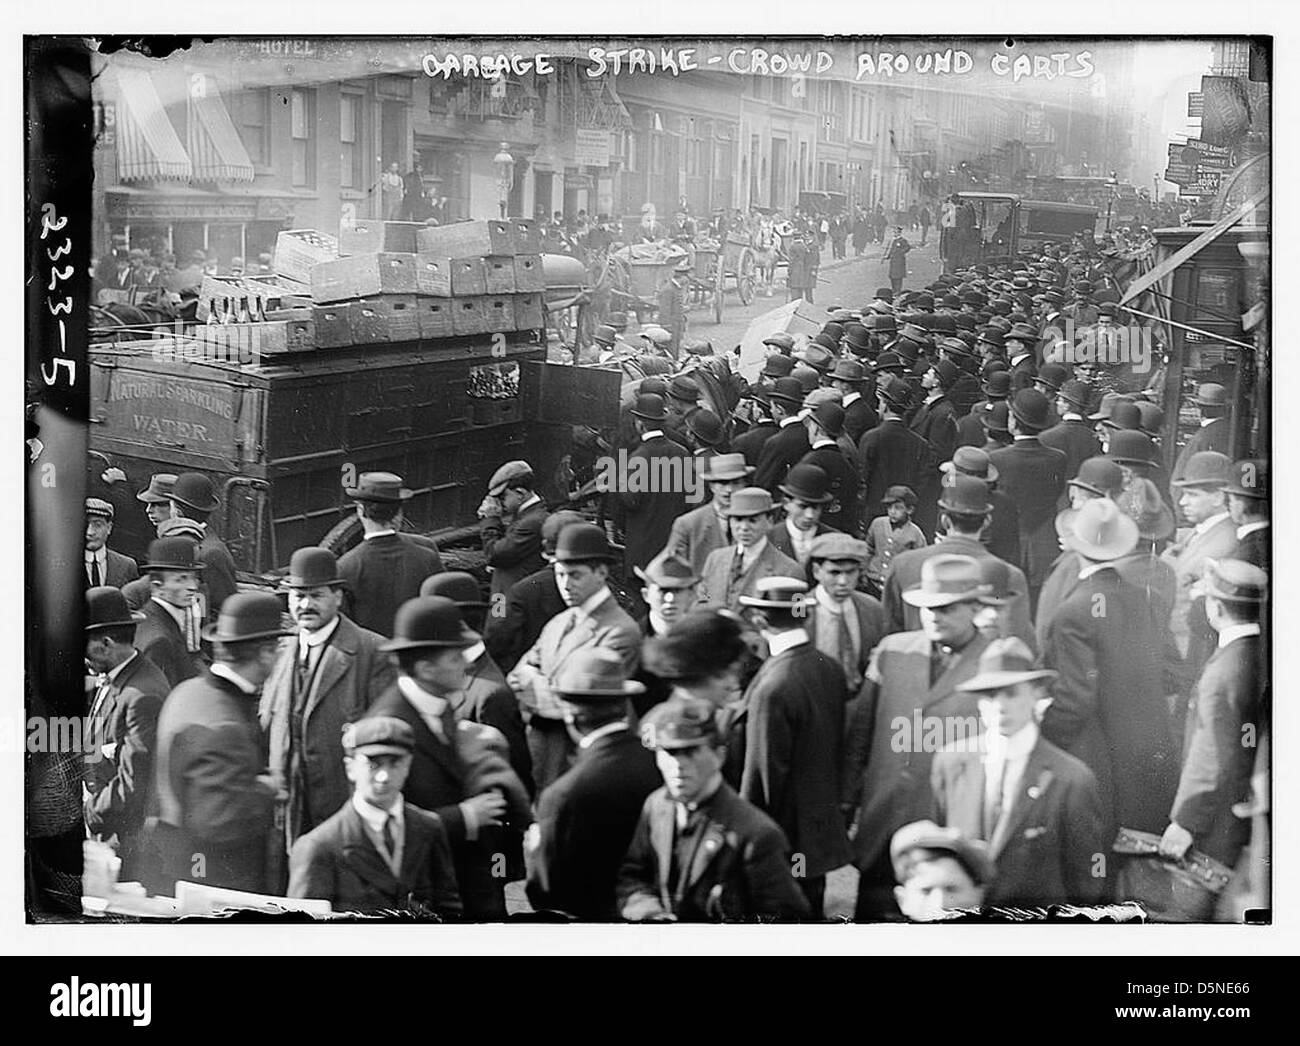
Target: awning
148,148
216,151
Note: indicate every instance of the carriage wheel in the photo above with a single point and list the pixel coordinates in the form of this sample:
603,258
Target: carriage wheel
745,276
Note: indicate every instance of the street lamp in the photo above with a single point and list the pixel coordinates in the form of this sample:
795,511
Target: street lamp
505,165
1112,190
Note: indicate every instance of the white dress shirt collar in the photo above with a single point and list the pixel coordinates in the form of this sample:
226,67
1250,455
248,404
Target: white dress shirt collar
533,500
588,606
318,638
794,419
100,556
1093,568
428,705
851,399
1237,632
473,653
825,441
1250,528
827,602
1208,421
1209,524
220,668
753,552
115,672
1018,357
799,539
602,731
1070,415
375,817
652,434
378,534
658,626
1016,747
780,642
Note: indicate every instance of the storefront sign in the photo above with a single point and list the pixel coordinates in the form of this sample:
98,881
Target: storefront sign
591,148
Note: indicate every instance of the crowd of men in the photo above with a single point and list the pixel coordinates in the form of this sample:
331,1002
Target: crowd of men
935,618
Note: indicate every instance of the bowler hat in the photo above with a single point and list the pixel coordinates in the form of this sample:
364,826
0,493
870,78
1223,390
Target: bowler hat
1107,406
1248,479
997,384
382,487
947,373
1151,418
584,541
1100,531
595,674
830,335
965,495
668,571
858,339
809,378
99,507
458,586
850,371
884,294
556,522
510,472
650,407
684,388
312,567
941,323
604,335
1030,407
1144,505
722,468
1124,414
900,493
1211,394
173,554
705,426
808,483
749,501
1235,581
1206,468
655,384
780,340
778,593
971,461
971,854
888,361
1076,393
778,366
1053,375
159,489
106,608
1100,476
680,722
895,391
1131,447
946,580
788,390
830,417
837,547
429,621
194,490
992,336
1005,662
923,301
245,616
379,735
915,334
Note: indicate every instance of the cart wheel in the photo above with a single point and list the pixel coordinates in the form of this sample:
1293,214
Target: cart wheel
745,276
343,535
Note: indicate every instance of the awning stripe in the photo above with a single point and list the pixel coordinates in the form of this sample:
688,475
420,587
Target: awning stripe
216,150
148,147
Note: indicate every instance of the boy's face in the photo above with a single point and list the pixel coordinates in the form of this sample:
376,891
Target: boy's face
378,779
937,884
803,515
838,577
898,513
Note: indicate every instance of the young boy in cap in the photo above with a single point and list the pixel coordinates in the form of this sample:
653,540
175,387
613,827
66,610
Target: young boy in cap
378,853
890,534
940,872
701,853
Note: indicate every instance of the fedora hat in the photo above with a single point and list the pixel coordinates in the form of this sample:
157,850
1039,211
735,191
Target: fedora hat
383,487
1100,476
722,468
1235,581
749,501
778,366
705,426
173,554
972,461
458,586
649,406
617,320
681,722
1030,407
778,593
828,338
106,608
100,508
584,541
1053,375
1131,447
829,417
887,363
245,616
595,674
1076,393
994,415
946,580
895,391
965,495
1022,332
1151,418
668,571
429,621
1206,468
808,483
956,347
780,340
604,335
996,576
159,488
788,390
1248,479
947,373
850,371
1004,663
819,357
1100,531
312,567
379,735
992,336
1144,505
194,490
1107,406
684,388
1211,394
858,338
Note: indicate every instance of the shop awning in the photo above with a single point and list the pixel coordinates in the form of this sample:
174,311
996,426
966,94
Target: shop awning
216,151
148,148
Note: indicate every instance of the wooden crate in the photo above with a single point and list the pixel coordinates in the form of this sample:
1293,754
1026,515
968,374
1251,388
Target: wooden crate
526,235
476,239
333,331
433,275
298,250
363,276
498,312
528,273
386,318
434,317
377,237
466,316
529,312
468,277
499,273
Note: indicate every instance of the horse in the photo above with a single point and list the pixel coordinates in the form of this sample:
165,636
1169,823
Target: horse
764,244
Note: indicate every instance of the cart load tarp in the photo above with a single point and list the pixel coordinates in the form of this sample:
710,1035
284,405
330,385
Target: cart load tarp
796,317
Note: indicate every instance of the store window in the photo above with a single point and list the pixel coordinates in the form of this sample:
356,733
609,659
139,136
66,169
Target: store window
254,114
351,151
302,129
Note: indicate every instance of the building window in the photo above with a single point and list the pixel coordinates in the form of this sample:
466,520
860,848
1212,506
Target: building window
302,129
351,145
656,152
254,113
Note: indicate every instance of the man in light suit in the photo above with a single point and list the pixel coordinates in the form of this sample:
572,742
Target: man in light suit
103,565
697,533
326,676
736,570
1037,807
910,694
593,618
843,623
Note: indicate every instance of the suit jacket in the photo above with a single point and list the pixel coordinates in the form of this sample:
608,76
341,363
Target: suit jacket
892,454
1003,534
118,569
518,552
784,448
649,515
1033,476
906,572
970,430
842,512
1188,560
160,639
1256,548
351,672
1153,576
889,783
794,747
1078,442
121,780
585,821
1218,759
530,603
871,626
1217,435
859,416
697,533
718,590
740,869
750,443
383,573
489,700
936,423
1108,705
1044,850
1023,374
337,862
211,801
218,573
965,393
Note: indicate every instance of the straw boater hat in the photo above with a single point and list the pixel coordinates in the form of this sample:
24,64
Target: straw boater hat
778,593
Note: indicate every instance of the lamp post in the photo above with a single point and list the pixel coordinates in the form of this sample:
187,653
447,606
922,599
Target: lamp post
1112,189
505,165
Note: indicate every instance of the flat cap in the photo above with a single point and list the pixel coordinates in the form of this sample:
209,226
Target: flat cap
507,474
379,735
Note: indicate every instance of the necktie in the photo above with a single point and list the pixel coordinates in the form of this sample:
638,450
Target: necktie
737,565
96,579
390,842
304,668
844,649
993,806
